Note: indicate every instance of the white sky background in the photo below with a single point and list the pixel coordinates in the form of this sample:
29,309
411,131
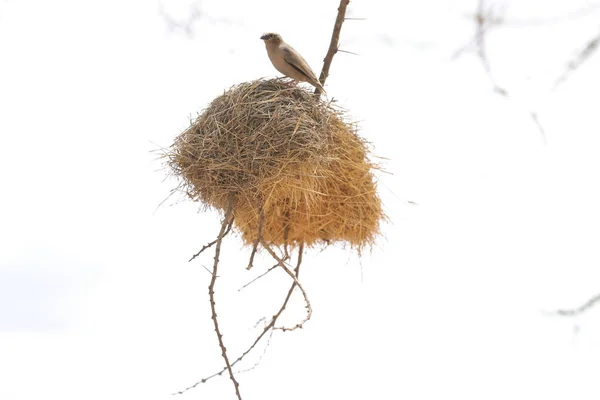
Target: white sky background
97,298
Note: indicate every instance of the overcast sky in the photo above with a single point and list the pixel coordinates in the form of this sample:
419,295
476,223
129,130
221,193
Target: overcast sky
491,222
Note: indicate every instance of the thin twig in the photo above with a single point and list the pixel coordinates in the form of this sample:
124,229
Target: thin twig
210,244
484,20
281,263
211,293
267,328
536,121
259,321
334,44
482,25
579,310
297,272
261,356
261,218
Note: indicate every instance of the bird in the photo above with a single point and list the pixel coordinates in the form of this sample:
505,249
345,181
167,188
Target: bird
288,61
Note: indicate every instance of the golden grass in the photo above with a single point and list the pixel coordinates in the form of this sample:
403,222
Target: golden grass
289,159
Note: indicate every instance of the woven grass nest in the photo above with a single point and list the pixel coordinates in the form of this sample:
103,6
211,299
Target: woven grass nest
296,171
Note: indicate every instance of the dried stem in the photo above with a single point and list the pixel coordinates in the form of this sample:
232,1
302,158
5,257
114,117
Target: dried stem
211,292
334,44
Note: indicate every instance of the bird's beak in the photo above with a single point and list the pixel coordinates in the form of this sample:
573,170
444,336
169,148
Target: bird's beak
263,37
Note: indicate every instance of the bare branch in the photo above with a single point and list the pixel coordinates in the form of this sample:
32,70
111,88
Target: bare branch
334,44
297,273
536,121
269,327
210,244
293,275
579,310
580,58
484,20
211,292
348,52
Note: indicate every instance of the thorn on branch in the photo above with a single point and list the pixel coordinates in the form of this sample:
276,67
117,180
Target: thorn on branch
334,44
349,52
210,244
207,270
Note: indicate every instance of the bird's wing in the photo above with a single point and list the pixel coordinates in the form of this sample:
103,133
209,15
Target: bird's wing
295,60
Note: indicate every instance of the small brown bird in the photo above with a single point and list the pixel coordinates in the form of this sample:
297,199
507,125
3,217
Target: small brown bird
288,61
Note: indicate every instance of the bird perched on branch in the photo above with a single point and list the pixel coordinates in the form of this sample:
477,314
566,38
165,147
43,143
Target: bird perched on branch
288,61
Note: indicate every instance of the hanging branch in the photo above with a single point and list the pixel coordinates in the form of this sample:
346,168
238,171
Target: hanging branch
334,44
297,272
268,328
211,292
294,276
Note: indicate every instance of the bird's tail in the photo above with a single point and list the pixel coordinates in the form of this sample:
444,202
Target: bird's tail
317,84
